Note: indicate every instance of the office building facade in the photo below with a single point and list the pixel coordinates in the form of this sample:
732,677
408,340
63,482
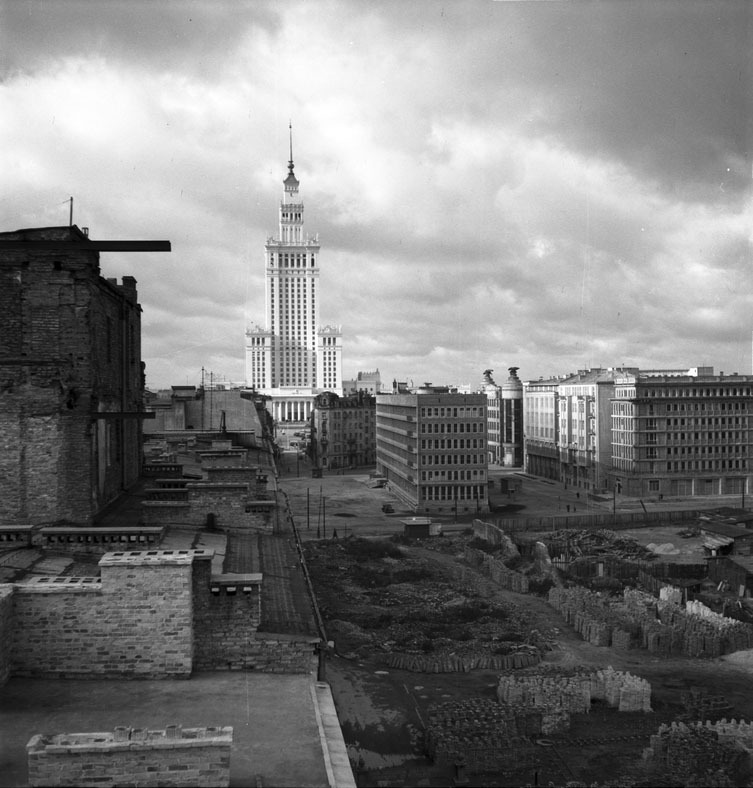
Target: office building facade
432,449
682,435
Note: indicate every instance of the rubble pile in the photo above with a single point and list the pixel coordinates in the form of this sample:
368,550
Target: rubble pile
660,626
601,543
697,750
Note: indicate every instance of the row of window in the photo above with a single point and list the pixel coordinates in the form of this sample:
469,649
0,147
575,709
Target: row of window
460,475
293,260
453,492
453,459
453,443
704,465
460,411
454,427
743,391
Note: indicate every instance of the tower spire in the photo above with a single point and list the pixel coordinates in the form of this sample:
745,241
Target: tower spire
290,161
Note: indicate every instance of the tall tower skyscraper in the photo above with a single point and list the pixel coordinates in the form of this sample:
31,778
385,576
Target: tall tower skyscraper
292,359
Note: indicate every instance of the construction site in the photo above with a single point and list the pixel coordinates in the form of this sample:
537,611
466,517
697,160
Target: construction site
519,651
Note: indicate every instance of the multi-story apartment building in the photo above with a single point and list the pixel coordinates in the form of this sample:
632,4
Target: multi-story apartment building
431,448
292,358
343,430
541,419
682,434
584,428
71,400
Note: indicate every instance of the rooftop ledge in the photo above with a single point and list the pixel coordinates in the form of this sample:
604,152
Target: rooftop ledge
152,557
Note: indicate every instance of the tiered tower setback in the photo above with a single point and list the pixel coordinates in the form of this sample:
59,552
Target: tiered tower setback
292,359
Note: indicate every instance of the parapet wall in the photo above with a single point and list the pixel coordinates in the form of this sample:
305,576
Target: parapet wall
136,621
152,614
129,756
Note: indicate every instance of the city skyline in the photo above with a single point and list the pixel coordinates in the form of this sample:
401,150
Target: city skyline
494,184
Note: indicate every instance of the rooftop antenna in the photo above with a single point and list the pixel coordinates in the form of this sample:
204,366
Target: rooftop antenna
70,216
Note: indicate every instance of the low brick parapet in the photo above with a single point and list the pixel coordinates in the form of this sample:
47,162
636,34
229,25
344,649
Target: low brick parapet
16,535
132,756
99,539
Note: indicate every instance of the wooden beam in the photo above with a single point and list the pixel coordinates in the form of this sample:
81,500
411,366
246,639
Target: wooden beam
84,246
123,414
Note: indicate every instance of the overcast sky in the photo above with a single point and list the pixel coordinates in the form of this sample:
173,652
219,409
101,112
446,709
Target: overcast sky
550,186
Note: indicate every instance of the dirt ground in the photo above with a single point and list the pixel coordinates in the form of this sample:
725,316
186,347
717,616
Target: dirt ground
384,711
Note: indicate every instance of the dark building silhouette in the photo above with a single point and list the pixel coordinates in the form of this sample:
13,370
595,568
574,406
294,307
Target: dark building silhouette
71,376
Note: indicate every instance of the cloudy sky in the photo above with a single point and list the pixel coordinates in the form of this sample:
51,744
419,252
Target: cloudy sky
546,185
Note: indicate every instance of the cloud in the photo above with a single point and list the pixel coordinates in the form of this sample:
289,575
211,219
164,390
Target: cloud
537,184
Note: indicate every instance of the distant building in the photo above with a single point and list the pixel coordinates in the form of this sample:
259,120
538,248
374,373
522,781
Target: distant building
370,382
585,428
343,431
682,435
675,432
197,410
541,428
432,449
71,377
293,358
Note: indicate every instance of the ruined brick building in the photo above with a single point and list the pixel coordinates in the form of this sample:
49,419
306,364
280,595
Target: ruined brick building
71,378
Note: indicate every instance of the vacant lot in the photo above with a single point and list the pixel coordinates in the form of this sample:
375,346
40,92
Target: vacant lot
382,597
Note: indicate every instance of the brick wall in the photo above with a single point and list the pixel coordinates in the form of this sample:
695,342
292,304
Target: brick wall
152,614
70,348
136,622
226,616
127,756
6,627
227,502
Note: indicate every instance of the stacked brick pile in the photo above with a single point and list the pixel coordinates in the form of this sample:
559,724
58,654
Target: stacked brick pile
670,594
496,571
621,690
703,633
592,616
659,626
481,731
462,663
558,695
702,749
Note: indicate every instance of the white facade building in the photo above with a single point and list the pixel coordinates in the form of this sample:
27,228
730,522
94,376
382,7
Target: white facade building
292,358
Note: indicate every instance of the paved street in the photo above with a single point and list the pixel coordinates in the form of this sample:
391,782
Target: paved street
347,503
